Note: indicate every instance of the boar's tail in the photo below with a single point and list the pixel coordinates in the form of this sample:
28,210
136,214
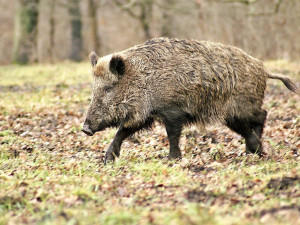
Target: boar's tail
287,81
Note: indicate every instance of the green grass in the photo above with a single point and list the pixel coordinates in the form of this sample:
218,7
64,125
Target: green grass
51,173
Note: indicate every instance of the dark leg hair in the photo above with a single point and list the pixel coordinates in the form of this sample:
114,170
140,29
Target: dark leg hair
251,129
174,132
113,150
258,122
174,119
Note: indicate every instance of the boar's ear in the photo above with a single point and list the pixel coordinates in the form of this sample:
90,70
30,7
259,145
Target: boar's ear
93,58
117,66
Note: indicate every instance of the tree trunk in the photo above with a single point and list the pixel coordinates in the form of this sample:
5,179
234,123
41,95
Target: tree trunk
25,37
76,38
92,11
145,17
167,19
52,32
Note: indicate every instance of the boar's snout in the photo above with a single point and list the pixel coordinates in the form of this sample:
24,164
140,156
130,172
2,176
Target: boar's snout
87,130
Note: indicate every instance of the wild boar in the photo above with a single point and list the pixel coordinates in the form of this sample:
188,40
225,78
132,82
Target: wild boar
178,82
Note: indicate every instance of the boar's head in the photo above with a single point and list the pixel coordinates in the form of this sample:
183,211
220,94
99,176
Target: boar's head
106,108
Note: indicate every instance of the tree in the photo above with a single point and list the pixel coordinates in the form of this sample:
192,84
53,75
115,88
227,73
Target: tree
92,13
140,10
167,18
249,2
52,31
76,25
25,36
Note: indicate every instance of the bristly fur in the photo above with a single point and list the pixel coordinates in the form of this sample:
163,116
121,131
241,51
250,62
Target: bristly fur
180,82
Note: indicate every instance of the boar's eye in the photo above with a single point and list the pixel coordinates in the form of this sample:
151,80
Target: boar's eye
107,89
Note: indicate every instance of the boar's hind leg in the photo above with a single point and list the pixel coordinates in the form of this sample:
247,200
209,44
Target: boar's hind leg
258,122
251,129
123,132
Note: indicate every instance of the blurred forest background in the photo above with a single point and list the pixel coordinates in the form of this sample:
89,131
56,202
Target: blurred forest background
55,30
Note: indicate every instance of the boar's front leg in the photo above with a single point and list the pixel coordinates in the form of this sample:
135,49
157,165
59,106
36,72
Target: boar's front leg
174,132
174,119
113,150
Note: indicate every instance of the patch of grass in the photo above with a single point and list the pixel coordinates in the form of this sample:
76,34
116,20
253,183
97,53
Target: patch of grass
45,74
5,133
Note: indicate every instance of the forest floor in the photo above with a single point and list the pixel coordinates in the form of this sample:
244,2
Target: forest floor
52,173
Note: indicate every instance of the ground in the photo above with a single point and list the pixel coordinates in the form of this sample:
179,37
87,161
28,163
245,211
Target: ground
52,173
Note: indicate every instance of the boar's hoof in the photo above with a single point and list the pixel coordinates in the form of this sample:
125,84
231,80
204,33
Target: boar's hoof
175,155
111,154
109,158
253,145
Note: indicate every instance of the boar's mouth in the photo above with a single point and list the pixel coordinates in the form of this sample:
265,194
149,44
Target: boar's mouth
87,130
90,132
